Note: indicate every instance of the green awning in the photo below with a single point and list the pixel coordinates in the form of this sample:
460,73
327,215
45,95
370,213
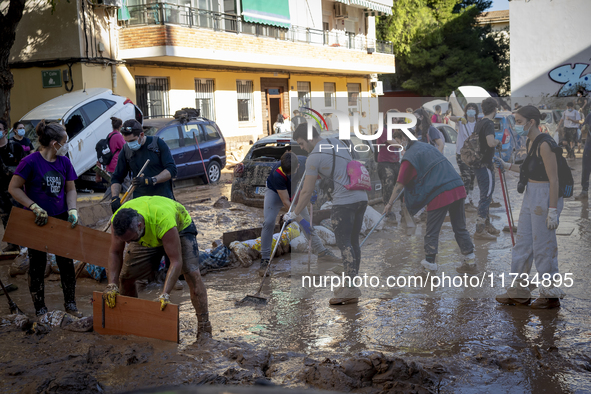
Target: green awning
267,12
373,6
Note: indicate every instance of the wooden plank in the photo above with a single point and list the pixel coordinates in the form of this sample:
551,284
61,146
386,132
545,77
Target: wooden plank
243,235
132,316
57,237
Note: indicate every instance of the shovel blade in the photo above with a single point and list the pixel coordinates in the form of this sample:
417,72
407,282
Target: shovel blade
254,299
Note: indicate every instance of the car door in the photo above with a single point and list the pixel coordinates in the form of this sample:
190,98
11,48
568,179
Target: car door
171,135
214,145
192,161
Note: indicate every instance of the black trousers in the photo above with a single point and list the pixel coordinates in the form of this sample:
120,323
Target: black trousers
37,264
457,217
347,221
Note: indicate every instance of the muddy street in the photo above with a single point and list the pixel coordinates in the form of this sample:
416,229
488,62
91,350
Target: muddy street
404,339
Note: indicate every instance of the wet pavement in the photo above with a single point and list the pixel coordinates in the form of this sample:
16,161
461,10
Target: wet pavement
454,341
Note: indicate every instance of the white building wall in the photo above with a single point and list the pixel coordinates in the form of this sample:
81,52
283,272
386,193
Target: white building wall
550,46
306,13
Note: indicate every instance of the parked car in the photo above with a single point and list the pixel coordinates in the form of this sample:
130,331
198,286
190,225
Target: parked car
250,176
86,114
180,138
464,95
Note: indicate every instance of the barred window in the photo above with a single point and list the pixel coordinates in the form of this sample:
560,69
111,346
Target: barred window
304,94
353,90
245,100
329,94
204,89
152,96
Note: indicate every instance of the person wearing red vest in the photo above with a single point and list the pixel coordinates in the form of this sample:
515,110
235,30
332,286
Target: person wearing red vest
279,195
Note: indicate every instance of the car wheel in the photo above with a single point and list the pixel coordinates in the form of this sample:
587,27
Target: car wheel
214,172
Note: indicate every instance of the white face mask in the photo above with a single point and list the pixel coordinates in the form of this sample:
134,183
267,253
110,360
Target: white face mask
63,150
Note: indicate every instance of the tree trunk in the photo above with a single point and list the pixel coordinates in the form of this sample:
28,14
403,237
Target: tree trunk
8,24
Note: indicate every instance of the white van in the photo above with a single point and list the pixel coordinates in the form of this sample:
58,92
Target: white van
86,114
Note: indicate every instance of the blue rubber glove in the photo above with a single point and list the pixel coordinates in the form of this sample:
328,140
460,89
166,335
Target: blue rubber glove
314,197
305,226
499,163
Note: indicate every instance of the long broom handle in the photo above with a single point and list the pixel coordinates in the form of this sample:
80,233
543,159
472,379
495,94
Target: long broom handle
508,200
202,162
382,218
506,207
280,234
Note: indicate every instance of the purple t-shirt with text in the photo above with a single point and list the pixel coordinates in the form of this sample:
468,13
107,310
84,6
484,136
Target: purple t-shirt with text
45,182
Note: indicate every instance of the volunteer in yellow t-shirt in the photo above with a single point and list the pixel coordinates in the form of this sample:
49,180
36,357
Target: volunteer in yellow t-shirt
153,226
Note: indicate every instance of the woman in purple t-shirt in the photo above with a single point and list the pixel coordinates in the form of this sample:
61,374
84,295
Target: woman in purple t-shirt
44,182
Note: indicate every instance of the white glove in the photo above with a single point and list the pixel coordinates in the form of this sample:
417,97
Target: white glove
289,217
552,219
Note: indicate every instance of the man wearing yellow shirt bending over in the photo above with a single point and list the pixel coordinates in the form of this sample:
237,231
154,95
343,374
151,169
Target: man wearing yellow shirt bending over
153,226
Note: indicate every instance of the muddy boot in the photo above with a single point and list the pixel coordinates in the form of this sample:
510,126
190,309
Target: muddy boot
263,267
545,303
429,266
506,299
495,204
583,196
327,256
72,309
468,265
490,228
481,232
469,206
345,295
40,311
337,269
203,326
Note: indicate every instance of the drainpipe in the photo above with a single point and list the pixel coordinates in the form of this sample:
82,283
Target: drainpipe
114,76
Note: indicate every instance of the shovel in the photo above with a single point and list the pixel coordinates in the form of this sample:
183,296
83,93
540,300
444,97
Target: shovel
382,218
505,195
257,298
11,304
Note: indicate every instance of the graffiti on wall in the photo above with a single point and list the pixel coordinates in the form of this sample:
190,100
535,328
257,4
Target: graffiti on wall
571,78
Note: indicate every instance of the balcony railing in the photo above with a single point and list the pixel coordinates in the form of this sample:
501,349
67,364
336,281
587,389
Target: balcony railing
165,13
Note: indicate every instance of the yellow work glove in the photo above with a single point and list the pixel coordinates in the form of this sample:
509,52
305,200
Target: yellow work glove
463,120
73,217
164,300
110,295
40,213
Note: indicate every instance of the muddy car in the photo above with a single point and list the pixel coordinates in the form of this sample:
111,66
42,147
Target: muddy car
250,176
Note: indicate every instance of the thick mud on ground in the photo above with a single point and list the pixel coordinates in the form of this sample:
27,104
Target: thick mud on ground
450,342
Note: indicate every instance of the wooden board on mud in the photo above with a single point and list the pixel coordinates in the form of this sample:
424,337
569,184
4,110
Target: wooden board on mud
132,316
57,237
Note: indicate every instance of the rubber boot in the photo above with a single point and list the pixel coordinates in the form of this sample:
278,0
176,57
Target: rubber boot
327,256
429,266
72,309
490,228
481,232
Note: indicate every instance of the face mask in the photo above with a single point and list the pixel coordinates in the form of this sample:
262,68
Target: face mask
520,129
1,134
471,113
134,145
63,150
21,132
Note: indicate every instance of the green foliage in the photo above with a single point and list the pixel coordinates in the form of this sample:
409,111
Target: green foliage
439,46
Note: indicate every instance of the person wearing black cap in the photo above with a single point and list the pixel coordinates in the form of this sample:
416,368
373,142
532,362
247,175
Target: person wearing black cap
156,178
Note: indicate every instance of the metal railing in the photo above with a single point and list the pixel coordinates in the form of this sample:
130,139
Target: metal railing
166,13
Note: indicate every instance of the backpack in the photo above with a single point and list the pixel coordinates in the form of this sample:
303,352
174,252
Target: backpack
470,152
103,151
358,176
565,176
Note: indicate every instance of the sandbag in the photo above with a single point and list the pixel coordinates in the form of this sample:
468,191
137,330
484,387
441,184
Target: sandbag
244,254
370,218
327,236
299,244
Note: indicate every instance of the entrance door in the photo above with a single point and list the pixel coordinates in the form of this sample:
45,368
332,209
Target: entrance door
274,105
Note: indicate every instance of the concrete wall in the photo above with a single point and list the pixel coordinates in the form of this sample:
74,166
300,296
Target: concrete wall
306,13
550,47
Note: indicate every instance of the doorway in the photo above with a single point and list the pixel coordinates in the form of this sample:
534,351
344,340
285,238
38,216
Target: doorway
274,105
